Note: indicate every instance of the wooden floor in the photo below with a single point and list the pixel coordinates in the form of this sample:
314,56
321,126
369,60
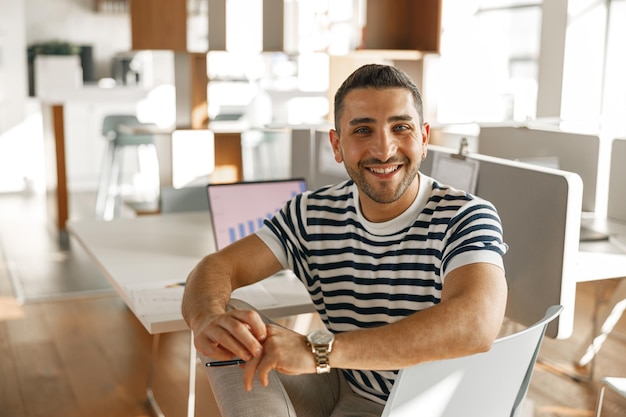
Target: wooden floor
89,356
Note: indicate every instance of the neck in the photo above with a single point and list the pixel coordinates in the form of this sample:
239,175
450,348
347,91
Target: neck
381,212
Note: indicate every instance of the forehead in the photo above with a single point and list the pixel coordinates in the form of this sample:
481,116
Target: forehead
378,102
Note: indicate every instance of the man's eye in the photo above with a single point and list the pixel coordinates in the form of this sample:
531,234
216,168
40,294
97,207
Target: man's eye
362,130
401,127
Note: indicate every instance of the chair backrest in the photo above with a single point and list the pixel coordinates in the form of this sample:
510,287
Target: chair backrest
490,384
191,198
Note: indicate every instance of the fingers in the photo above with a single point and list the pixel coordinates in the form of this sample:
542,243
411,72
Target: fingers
261,366
249,371
284,351
238,333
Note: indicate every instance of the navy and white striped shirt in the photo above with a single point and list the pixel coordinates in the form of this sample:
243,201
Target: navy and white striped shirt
362,274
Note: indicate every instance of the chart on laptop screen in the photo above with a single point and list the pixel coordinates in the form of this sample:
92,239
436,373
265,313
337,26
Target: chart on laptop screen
239,209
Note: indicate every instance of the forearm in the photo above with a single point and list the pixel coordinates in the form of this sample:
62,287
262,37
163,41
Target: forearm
466,321
210,284
207,290
424,337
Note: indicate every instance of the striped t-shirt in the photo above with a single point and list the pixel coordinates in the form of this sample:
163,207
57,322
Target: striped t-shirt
362,274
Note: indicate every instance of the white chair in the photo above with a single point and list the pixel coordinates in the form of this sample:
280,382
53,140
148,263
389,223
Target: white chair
489,384
616,384
109,199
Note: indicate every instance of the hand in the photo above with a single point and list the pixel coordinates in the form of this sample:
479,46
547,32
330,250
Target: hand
236,333
284,351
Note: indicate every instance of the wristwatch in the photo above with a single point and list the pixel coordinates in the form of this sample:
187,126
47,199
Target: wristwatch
321,344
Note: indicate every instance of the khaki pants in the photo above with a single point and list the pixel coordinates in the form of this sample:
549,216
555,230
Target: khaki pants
309,395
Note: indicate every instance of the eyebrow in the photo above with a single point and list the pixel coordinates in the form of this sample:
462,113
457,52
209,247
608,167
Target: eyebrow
361,120
399,118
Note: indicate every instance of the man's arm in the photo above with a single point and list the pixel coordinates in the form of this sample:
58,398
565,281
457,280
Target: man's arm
220,334
466,321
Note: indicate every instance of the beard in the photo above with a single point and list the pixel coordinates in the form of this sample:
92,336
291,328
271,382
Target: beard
384,191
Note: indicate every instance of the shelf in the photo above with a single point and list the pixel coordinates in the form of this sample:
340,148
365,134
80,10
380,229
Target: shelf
112,6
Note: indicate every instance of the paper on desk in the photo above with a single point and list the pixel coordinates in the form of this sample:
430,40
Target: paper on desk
156,298
166,297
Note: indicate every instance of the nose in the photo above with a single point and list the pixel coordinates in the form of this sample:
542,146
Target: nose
385,146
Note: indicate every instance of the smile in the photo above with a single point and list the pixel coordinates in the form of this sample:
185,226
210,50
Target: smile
387,170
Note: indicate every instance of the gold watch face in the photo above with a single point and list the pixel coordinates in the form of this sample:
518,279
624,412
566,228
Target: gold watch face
320,337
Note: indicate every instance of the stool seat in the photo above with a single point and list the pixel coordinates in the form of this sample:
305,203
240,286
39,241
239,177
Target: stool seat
123,139
118,130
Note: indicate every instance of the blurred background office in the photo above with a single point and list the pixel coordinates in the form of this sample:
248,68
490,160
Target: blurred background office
259,75
497,61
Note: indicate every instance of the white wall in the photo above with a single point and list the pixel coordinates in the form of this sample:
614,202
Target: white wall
13,75
15,140
77,21
22,23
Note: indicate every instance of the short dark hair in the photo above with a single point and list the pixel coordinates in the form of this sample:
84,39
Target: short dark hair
380,77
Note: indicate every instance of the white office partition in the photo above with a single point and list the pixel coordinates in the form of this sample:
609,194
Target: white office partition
540,209
312,157
616,205
567,151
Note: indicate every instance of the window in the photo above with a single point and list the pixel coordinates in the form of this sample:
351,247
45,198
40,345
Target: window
614,102
488,64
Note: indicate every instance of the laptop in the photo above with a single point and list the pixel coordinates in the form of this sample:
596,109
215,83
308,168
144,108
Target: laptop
239,209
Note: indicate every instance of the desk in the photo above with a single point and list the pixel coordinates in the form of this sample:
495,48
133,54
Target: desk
138,251
602,259
598,261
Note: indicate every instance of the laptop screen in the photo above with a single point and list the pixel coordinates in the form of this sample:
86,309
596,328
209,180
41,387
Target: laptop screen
239,209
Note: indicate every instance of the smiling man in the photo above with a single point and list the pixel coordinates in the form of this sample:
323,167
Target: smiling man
401,269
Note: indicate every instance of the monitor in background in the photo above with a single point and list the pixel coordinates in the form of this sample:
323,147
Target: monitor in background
239,209
573,152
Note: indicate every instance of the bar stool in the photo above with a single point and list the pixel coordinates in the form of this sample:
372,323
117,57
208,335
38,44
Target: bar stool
109,199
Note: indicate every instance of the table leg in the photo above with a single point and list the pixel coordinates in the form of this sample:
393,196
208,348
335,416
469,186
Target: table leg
153,364
55,161
191,400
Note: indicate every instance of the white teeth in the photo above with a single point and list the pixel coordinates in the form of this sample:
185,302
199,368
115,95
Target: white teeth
383,170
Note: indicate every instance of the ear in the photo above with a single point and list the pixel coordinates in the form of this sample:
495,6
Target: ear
425,139
334,143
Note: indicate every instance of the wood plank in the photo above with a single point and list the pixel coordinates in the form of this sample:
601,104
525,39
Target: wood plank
418,27
95,383
56,175
159,24
199,80
42,379
228,158
10,398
